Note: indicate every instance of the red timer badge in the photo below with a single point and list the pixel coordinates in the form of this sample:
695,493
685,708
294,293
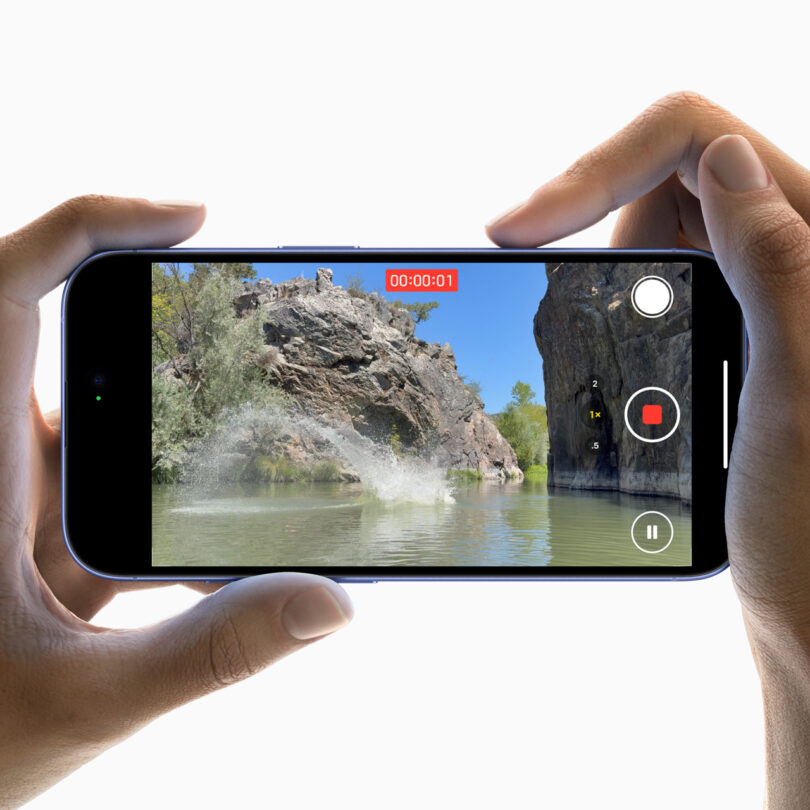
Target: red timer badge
421,280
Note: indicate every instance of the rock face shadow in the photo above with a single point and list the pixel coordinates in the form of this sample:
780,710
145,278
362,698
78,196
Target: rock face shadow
587,330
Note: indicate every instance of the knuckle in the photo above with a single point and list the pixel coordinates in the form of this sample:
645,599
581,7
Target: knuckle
682,111
73,214
676,113
779,241
77,215
684,100
227,657
77,209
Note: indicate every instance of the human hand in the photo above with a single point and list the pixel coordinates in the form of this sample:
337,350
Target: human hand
683,177
68,689
660,170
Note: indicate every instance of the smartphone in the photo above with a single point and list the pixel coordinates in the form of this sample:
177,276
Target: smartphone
375,414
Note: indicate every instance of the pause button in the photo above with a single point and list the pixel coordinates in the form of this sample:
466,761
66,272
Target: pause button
652,532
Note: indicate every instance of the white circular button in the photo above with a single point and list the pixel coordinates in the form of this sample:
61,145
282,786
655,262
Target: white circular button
651,296
671,430
649,527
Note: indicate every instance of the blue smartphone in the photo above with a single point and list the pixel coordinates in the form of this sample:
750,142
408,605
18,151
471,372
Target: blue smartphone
399,414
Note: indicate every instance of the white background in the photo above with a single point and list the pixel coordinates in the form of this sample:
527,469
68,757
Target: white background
406,124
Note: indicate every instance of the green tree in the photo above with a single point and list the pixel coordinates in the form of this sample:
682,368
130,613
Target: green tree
214,353
172,305
222,357
421,310
522,394
241,271
523,423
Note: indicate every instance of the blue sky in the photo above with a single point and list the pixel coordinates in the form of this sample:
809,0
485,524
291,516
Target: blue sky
488,321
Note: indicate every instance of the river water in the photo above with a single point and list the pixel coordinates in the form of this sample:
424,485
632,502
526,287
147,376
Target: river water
337,524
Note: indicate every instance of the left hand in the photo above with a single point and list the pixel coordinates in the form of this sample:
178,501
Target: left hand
69,689
81,592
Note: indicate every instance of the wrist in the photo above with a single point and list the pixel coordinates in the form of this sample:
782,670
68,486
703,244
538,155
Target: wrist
781,650
783,663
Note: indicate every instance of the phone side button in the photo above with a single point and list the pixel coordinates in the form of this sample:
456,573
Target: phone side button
353,581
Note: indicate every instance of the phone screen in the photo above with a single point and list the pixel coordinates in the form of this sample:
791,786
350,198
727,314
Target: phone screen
363,414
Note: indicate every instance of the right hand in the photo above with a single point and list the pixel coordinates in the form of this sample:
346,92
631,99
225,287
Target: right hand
683,177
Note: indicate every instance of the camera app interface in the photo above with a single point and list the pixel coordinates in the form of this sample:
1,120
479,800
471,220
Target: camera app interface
479,414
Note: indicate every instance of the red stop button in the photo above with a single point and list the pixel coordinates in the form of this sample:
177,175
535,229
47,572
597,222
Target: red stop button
652,415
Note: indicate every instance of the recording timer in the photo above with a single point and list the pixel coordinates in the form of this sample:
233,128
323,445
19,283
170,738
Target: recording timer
421,280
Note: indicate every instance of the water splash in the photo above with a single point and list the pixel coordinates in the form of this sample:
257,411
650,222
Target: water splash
383,474
232,506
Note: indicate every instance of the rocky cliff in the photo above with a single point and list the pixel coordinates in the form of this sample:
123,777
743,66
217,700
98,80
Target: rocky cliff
586,329
351,359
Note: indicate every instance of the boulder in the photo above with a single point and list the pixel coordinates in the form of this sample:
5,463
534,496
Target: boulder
351,358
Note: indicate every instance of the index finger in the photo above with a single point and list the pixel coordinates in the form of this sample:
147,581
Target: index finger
39,256
669,136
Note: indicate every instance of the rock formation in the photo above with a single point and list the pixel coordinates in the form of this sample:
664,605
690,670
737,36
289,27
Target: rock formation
348,358
586,327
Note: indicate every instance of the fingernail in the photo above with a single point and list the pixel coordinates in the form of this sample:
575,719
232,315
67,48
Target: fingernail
504,215
315,612
178,203
735,164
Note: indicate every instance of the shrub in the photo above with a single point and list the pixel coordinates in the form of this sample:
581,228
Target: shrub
173,422
326,470
278,469
395,440
536,474
274,470
464,475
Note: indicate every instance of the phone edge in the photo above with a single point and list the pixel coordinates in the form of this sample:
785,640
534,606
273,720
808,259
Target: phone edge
349,250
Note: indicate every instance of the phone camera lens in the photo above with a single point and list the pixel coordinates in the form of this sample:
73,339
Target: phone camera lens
99,379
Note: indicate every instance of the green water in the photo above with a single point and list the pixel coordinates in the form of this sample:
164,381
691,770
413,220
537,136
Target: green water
331,524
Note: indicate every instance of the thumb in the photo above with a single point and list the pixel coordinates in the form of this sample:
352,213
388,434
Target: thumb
226,637
763,248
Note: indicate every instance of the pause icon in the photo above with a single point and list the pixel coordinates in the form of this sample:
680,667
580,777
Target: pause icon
652,535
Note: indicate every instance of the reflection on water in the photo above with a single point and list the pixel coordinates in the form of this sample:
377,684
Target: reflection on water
335,524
